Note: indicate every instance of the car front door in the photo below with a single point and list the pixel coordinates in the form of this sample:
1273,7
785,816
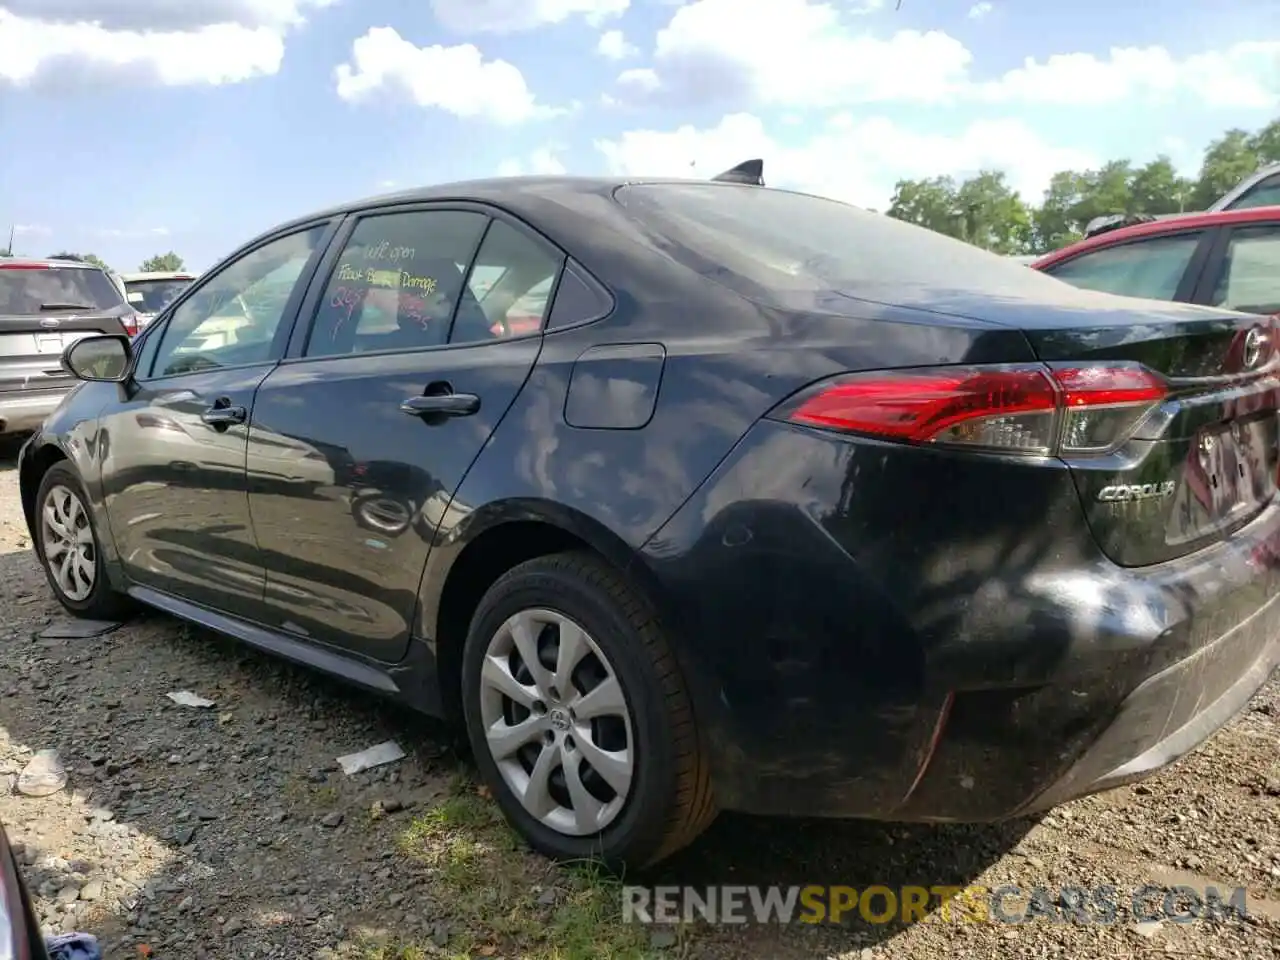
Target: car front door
174,464
419,343
1162,267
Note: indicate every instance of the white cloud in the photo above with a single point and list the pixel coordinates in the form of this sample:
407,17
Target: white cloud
457,79
614,45
805,53
799,53
142,233
513,16
176,44
640,78
854,160
1243,75
542,162
164,15
980,10
31,230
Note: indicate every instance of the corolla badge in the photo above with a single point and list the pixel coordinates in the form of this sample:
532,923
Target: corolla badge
1127,492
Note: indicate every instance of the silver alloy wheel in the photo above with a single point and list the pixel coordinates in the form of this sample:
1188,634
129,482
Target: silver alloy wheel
67,543
557,722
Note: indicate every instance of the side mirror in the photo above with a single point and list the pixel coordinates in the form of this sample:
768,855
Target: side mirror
103,358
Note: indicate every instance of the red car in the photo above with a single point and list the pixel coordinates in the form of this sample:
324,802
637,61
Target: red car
1226,259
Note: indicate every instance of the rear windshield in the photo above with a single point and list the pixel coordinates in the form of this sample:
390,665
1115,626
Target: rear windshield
758,240
152,296
26,291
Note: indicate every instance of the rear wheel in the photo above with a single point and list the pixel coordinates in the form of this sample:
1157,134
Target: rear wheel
578,716
68,547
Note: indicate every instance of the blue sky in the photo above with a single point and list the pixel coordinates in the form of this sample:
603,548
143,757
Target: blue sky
132,127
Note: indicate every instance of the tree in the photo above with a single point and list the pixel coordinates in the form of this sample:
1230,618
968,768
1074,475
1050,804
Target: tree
985,211
1228,160
162,263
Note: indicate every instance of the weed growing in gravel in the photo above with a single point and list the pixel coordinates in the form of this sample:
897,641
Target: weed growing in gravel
509,899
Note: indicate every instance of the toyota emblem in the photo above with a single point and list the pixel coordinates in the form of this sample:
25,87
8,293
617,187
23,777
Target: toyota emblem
50,322
1253,343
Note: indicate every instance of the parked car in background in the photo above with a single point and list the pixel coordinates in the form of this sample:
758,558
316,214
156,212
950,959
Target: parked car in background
780,506
150,293
1261,189
1227,259
45,306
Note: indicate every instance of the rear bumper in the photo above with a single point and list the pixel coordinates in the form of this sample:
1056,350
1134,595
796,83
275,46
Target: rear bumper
909,635
24,412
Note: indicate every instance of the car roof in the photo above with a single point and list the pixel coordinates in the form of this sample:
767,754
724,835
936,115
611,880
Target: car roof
1172,223
158,275
517,194
47,262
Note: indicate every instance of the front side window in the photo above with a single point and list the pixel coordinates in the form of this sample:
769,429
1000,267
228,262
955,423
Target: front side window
1144,268
397,283
1250,279
1264,194
234,317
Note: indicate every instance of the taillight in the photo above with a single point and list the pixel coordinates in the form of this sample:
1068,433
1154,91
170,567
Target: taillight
130,323
1067,409
24,266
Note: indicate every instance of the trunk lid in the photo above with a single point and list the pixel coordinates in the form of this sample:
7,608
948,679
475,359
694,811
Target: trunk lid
31,347
1204,462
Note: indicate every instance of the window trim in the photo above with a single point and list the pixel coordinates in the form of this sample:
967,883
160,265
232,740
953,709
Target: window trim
1217,258
295,353
288,321
1188,284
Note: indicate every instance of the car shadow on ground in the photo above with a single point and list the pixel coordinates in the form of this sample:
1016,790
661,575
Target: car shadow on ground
237,832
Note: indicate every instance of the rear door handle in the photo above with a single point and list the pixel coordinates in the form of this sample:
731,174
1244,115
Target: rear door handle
224,414
442,405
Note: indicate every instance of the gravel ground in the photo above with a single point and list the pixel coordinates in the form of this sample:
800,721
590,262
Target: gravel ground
230,832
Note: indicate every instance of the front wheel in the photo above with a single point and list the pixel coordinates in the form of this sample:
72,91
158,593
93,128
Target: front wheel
68,548
578,716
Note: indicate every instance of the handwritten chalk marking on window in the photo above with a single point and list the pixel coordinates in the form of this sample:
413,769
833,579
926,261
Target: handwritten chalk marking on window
344,300
425,284
382,278
385,251
347,273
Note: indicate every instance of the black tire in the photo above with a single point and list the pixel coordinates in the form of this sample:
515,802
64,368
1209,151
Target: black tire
102,601
669,802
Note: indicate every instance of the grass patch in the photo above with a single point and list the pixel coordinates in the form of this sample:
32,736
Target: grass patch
511,902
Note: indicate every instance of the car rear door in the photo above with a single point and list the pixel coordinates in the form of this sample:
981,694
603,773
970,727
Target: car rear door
1243,269
419,343
174,466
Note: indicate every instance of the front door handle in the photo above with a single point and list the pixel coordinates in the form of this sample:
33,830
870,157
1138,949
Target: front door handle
224,414
442,405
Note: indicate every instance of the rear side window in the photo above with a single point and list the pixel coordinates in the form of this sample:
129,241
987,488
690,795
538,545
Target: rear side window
152,296
1250,279
766,243
1146,268
25,291
1264,194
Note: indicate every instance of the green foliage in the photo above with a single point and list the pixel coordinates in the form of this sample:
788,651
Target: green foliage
162,263
985,211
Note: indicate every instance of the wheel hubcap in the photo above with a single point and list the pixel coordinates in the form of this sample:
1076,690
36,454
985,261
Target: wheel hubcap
557,722
69,550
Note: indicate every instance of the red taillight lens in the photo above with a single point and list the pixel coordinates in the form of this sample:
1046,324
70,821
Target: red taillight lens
1071,410
130,323
23,266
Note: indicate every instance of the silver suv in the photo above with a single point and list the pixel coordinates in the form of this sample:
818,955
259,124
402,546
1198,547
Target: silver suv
150,293
45,305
